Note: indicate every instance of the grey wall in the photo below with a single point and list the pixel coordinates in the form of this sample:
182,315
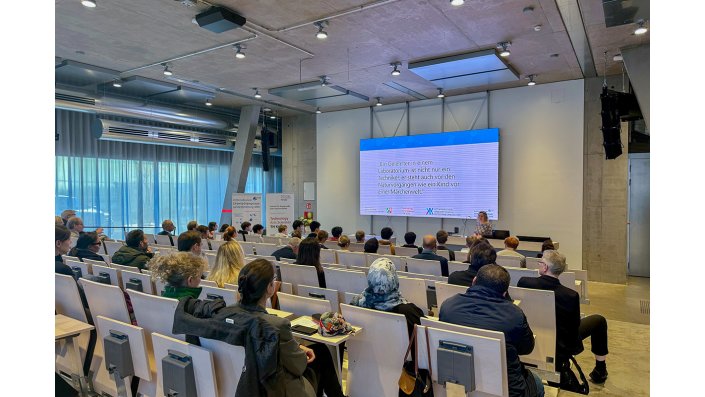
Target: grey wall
605,195
299,158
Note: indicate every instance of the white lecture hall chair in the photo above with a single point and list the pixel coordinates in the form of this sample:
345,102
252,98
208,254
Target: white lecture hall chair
107,301
329,256
254,238
539,306
406,251
216,244
581,275
273,240
356,247
113,273
230,286
287,260
345,281
229,362
349,297
489,355
374,362
423,266
455,266
247,247
508,261
263,249
138,348
328,294
145,279
443,253
86,267
349,258
303,306
211,260
567,279
267,257
67,301
299,275
150,238
445,291
228,295
207,283
515,273
532,263
122,268
163,239
414,290
158,286
399,261
430,277
202,359
112,246
385,249
95,262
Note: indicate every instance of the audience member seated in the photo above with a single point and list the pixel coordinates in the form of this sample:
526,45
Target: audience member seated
66,215
382,293
87,247
510,245
360,236
310,255
75,225
192,225
484,305
480,254
281,231
168,230
181,272
258,229
212,227
315,226
386,233
228,262
290,251
245,228
322,237
62,245
442,238
473,239
336,231
570,328
344,243
135,252
371,246
297,226
229,234
58,221
223,227
546,245
203,231
410,240
484,227
190,242
429,253
297,234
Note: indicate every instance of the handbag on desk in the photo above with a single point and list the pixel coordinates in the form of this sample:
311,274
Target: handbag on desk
413,381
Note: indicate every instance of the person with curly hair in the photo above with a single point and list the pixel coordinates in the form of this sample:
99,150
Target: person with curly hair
181,271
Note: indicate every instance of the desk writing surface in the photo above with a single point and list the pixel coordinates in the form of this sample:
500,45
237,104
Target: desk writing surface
279,313
67,326
307,321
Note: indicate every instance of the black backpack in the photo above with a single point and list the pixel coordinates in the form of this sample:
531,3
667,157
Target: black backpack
569,381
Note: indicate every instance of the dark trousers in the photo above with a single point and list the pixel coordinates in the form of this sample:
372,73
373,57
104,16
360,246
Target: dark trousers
321,372
595,326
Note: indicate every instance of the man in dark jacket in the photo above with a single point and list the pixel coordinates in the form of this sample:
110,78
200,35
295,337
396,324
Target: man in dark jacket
135,252
429,253
410,240
168,230
570,328
481,254
289,251
442,238
485,306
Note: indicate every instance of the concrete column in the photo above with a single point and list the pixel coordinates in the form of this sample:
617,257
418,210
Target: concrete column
605,192
240,165
299,159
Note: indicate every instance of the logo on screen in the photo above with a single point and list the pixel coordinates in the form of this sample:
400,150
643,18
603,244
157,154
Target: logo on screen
389,210
429,211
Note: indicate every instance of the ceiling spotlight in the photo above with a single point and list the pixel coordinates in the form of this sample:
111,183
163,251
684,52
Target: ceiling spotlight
208,102
167,72
441,94
321,34
531,79
318,110
505,48
396,71
89,3
457,2
324,81
238,53
117,83
379,101
641,29
272,116
257,94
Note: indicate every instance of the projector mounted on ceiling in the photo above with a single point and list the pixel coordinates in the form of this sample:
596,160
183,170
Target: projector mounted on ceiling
219,20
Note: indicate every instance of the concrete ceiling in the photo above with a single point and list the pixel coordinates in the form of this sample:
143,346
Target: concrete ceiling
129,34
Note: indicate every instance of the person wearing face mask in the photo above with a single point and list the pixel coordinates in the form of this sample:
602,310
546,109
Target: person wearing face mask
135,252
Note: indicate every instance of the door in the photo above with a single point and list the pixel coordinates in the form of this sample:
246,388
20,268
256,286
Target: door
639,221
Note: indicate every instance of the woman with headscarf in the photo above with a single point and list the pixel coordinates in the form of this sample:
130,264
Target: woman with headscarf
382,293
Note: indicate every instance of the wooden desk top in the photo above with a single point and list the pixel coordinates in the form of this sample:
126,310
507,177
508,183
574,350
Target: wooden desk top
307,321
67,326
279,313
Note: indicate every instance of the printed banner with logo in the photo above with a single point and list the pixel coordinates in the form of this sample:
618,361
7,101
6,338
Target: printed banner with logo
280,211
247,207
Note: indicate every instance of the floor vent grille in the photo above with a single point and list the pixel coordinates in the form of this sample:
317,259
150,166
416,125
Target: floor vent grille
645,307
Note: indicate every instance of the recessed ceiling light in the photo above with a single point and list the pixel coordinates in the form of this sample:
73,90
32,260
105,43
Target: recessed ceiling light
267,110
379,101
441,94
273,117
89,3
321,34
257,94
504,46
457,2
208,102
238,53
167,72
396,71
318,110
117,83
531,79
641,28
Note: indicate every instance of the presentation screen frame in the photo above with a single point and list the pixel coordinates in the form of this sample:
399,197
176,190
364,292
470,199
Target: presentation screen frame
408,164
